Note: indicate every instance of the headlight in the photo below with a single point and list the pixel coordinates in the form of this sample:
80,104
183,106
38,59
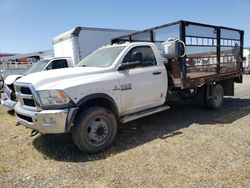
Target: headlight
53,97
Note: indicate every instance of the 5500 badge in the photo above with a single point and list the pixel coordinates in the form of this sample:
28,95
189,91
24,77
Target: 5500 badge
123,87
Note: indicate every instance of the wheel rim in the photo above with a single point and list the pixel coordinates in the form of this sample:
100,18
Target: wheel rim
98,130
217,97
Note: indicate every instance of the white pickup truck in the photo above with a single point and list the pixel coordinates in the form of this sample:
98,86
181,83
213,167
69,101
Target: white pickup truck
124,82
8,98
109,85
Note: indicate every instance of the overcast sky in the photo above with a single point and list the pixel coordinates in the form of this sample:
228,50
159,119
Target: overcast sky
30,25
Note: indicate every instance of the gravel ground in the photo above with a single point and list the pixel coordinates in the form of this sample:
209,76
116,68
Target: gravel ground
185,146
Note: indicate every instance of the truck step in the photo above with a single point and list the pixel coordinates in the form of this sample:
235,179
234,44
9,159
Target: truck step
144,113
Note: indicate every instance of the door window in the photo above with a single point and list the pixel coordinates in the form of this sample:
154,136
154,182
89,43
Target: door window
148,56
58,64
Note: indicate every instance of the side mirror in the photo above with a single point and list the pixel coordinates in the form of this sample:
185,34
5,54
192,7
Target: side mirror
135,61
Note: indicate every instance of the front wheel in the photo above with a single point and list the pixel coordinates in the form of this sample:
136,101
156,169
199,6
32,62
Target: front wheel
95,129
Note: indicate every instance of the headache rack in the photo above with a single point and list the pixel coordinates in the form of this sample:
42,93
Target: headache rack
213,53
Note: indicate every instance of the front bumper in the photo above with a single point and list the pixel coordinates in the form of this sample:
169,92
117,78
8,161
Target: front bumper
46,121
7,102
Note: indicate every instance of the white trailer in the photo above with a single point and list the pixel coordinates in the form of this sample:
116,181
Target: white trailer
81,41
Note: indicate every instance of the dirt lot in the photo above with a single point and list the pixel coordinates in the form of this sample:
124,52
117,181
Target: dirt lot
183,147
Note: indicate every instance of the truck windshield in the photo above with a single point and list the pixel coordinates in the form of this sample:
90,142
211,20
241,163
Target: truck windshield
38,66
103,57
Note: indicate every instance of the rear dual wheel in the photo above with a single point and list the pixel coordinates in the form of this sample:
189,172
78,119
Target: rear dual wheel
217,97
200,98
214,101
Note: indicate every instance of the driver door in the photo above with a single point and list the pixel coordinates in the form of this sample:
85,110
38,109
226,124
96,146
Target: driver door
142,86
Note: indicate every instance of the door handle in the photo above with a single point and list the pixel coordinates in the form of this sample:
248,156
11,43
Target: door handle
156,73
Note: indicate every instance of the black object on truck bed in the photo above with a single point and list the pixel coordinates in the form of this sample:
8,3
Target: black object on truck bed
213,53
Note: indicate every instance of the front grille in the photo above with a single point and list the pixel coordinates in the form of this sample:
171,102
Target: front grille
25,95
27,118
29,102
26,90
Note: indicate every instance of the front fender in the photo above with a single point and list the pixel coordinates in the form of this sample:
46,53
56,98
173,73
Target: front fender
98,96
90,98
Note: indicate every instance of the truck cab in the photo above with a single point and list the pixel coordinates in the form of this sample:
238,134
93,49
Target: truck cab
9,99
117,81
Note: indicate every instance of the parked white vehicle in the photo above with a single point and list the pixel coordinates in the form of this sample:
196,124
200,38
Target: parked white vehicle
124,82
8,98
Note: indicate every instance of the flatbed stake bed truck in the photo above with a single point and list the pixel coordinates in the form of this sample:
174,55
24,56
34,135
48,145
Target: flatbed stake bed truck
134,77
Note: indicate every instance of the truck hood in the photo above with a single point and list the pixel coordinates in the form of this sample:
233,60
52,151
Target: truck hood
57,78
11,79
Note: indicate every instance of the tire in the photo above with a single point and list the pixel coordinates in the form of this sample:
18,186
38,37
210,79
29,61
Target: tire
216,100
95,130
199,98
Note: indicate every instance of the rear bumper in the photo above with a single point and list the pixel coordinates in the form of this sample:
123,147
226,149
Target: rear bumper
5,101
45,121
